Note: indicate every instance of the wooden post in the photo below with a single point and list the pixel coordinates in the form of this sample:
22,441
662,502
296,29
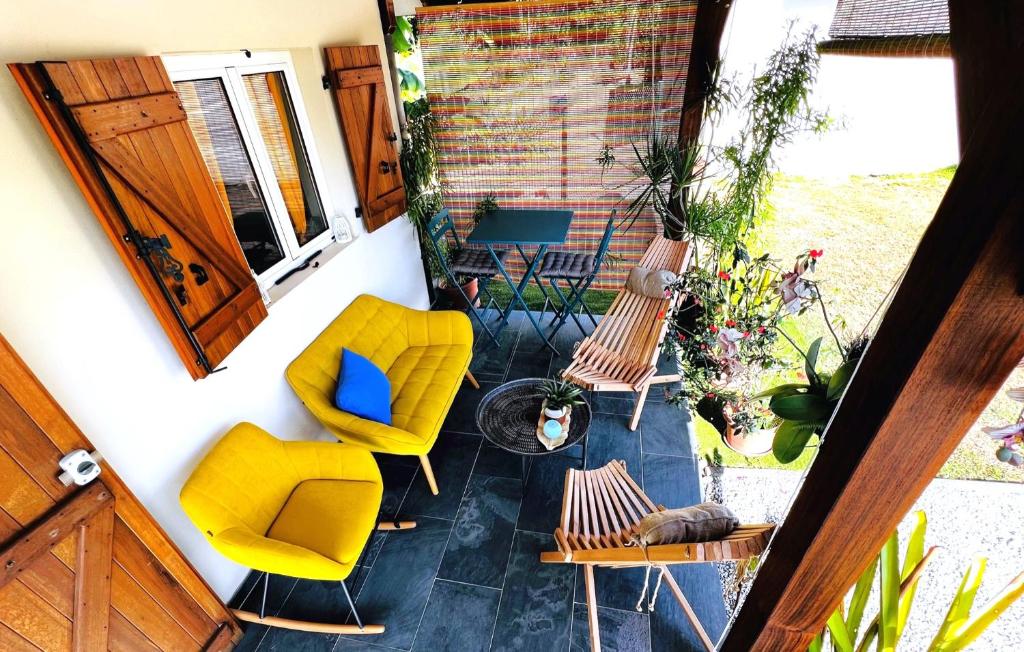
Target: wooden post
708,27
954,332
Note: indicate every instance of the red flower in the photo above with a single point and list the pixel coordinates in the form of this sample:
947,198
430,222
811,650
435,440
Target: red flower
724,275
681,337
816,253
710,395
730,323
661,314
746,333
703,347
761,329
713,328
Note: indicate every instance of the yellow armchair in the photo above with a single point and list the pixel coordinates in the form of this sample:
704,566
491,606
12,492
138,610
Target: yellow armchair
301,509
425,355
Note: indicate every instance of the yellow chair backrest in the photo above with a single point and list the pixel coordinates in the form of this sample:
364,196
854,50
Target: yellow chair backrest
244,481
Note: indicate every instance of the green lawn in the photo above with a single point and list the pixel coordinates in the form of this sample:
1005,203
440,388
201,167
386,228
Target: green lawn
868,228
597,300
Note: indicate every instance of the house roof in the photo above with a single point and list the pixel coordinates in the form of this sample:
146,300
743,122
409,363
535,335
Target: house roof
915,28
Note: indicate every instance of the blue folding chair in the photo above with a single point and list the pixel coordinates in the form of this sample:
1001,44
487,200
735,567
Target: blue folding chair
578,271
471,263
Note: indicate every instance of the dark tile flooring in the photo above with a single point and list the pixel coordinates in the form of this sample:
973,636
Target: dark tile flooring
468,577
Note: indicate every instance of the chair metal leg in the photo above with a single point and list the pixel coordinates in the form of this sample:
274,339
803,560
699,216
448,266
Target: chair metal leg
352,605
263,600
567,307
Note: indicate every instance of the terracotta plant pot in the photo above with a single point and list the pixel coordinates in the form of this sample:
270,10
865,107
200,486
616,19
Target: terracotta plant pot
753,444
456,299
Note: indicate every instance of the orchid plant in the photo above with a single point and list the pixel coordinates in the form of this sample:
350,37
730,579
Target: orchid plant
1010,437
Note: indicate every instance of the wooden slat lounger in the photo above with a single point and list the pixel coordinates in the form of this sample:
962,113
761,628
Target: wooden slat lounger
622,353
601,511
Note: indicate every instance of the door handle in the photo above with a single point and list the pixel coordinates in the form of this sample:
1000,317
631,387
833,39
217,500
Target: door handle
386,167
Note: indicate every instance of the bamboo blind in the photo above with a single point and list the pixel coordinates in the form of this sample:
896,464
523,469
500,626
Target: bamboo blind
528,95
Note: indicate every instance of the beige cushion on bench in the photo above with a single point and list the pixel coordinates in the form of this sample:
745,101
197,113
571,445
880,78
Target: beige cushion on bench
696,524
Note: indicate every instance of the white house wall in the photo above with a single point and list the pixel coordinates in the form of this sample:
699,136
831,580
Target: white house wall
69,306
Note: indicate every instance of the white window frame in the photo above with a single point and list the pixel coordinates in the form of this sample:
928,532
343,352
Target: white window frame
229,68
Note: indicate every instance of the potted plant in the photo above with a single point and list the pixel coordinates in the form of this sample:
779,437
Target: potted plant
805,408
724,333
559,398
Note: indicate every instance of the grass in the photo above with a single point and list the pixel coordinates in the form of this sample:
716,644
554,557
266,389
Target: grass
868,227
598,300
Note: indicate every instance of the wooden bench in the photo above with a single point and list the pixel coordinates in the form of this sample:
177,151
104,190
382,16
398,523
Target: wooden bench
622,353
601,513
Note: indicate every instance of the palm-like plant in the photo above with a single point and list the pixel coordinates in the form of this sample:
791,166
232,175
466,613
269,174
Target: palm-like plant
898,584
561,393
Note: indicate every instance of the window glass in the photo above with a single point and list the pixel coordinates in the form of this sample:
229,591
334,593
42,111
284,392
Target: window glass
275,117
220,143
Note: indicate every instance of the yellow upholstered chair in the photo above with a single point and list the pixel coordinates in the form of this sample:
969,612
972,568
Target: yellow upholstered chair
425,355
302,509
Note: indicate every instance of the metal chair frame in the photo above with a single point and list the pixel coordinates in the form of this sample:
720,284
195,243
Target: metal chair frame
577,287
442,227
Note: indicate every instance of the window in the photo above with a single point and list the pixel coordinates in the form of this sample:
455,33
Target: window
251,128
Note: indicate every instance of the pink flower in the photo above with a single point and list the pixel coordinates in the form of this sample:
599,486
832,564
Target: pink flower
795,291
761,329
727,342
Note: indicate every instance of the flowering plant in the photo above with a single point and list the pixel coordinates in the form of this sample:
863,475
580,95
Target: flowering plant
724,331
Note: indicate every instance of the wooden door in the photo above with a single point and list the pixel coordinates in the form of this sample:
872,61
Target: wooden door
121,130
85,568
357,78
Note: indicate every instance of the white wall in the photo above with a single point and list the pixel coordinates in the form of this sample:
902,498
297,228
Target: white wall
68,305
893,114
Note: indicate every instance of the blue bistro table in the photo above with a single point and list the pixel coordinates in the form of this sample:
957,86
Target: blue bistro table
540,228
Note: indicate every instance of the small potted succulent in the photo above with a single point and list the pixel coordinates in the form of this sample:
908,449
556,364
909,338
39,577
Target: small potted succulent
559,398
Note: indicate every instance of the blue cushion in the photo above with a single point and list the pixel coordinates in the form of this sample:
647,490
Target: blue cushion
363,389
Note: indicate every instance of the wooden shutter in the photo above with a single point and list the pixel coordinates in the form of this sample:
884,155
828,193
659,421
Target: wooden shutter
86,568
357,78
122,132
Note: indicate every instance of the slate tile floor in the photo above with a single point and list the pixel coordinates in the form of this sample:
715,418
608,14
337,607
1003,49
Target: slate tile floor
468,577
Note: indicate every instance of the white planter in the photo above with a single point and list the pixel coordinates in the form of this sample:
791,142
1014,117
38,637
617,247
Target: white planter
552,413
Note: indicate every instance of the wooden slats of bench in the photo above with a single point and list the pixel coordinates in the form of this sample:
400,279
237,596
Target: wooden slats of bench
601,512
621,353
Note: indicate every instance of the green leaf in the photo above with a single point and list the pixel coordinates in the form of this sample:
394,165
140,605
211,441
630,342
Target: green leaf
802,407
787,389
840,379
790,440
816,644
811,360
403,39
912,557
969,631
888,612
859,600
960,608
841,640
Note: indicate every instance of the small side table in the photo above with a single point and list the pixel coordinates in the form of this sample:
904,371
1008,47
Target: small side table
507,416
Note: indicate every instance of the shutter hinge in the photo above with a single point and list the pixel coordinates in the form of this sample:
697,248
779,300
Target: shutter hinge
326,81
359,211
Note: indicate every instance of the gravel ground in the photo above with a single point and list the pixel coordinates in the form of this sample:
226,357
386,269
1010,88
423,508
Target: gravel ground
966,518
